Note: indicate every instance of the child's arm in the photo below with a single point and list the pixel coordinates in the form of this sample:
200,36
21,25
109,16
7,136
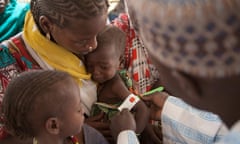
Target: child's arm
140,109
119,88
141,116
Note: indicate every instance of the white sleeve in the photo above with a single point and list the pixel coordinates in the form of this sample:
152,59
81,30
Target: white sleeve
127,137
185,124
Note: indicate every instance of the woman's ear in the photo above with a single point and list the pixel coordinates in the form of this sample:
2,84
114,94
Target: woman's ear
53,125
45,24
187,85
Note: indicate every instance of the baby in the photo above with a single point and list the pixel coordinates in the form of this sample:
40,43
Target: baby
46,106
103,63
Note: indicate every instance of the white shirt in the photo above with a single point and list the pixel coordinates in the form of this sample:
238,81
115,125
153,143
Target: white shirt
183,124
127,137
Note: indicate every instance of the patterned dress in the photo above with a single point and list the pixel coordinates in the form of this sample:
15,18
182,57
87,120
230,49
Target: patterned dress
14,59
137,62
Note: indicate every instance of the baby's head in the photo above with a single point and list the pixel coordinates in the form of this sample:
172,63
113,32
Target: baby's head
196,47
43,102
104,62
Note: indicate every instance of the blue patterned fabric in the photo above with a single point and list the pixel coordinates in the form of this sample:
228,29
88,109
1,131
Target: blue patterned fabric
183,124
233,137
127,137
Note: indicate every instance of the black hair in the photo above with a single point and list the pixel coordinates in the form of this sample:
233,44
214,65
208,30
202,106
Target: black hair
112,35
21,96
58,11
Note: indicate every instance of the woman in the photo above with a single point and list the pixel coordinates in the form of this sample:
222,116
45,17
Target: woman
12,14
56,35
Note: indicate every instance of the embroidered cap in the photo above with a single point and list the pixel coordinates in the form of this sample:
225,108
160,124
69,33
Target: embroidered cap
199,37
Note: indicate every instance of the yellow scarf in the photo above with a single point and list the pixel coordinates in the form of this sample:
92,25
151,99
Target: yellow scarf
53,54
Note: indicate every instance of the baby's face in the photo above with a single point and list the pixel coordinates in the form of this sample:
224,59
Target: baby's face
102,64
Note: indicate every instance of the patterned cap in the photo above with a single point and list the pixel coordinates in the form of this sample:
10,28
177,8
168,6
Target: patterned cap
198,37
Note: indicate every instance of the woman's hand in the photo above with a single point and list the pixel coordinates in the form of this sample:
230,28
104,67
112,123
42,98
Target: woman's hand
156,102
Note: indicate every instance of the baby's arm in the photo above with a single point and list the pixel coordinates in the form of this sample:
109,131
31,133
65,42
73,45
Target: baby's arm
141,116
140,109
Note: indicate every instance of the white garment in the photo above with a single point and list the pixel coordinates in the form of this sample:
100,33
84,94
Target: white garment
88,93
233,137
88,89
183,124
127,137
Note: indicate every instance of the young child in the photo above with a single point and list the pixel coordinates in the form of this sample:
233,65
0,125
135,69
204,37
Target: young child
46,106
103,63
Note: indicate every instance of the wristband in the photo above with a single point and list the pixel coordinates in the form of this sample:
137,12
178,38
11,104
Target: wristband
129,102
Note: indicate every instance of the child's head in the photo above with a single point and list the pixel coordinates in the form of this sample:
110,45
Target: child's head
196,47
41,103
104,62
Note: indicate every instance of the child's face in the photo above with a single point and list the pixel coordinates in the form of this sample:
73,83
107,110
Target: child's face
103,63
72,119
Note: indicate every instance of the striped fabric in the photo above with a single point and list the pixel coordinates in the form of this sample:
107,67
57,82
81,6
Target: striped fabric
136,58
183,124
127,137
233,137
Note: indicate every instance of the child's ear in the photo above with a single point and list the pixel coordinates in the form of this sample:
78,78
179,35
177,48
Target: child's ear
53,125
187,85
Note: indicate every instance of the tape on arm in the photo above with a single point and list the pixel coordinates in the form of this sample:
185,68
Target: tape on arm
129,102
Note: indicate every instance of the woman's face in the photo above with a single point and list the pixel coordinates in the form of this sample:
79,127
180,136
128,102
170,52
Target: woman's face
80,35
3,4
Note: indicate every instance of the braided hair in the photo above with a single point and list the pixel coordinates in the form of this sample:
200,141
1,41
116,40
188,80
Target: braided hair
23,94
58,11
